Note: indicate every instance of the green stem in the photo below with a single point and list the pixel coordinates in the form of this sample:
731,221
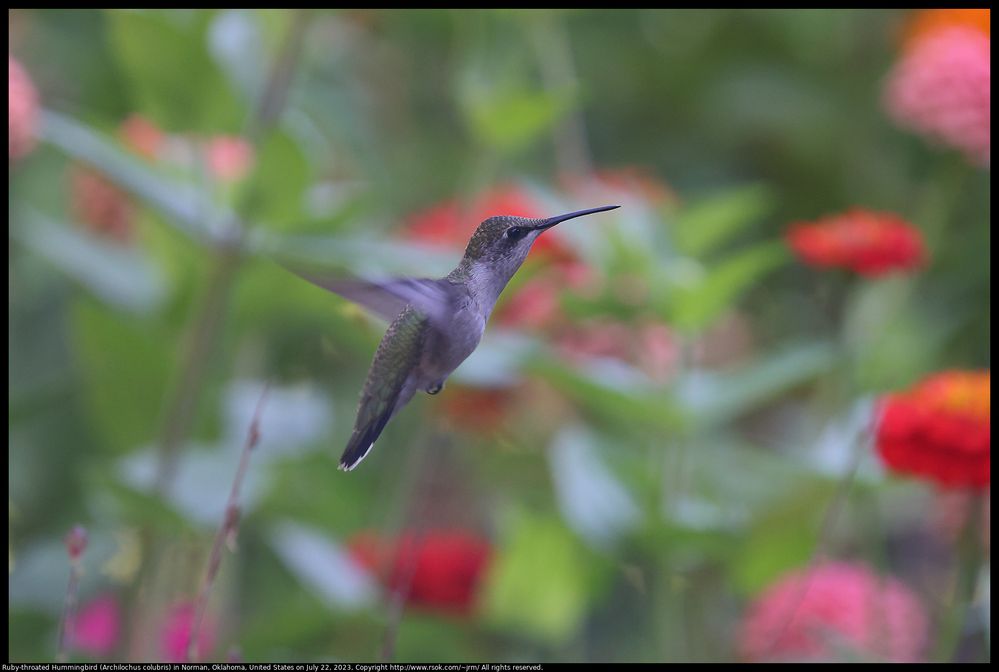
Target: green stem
966,580
184,398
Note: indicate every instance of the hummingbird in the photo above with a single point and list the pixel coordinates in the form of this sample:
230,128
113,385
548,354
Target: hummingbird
434,324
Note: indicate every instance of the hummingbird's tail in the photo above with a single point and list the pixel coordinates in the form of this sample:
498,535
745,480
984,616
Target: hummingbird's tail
388,387
363,440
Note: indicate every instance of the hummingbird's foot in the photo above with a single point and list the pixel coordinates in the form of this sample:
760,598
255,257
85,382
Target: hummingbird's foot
436,388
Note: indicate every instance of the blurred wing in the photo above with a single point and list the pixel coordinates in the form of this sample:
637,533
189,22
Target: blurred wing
433,298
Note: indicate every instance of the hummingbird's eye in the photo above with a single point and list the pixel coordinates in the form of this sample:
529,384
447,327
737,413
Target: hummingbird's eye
516,233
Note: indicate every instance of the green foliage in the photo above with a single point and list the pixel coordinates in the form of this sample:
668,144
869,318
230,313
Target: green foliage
667,413
542,582
126,368
171,74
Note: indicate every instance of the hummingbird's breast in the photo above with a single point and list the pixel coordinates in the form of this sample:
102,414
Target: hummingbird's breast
447,346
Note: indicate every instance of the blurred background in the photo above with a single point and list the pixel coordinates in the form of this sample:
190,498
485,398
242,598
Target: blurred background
743,417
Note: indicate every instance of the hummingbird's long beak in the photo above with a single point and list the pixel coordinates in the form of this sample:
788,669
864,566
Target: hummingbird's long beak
552,221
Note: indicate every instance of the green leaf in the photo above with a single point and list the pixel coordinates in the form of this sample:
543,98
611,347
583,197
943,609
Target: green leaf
704,226
173,76
118,275
891,340
541,581
713,399
126,366
509,119
277,187
782,539
624,405
693,306
186,207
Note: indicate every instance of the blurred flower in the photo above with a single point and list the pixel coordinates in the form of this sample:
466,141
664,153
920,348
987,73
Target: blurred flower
100,205
229,158
953,509
617,183
942,87
22,110
475,409
96,626
449,224
830,609
596,339
650,347
940,429
925,22
869,243
176,634
76,542
442,569
142,135
536,304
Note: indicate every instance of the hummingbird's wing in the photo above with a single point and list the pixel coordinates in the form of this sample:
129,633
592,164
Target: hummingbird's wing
387,388
433,298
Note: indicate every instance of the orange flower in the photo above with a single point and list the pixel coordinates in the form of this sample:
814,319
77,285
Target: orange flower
928,21
940,430
866,242
142,135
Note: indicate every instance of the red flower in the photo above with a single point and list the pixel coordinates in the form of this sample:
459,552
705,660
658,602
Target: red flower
940,430
22,110
100,205
96,626
869,243
475,409
450,225
176,634
537,303
942,86
816,613
441,569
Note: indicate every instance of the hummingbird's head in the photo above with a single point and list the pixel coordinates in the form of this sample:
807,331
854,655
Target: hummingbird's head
502,242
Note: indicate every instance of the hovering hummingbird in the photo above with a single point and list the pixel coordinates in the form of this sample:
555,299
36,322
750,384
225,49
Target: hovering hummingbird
434,324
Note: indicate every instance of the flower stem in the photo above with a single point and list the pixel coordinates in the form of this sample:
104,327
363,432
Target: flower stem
69,611
226,534
966,580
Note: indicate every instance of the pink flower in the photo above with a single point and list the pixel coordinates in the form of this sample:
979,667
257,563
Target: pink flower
229,158
834,608
96,626
942,88
176,634
22,110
